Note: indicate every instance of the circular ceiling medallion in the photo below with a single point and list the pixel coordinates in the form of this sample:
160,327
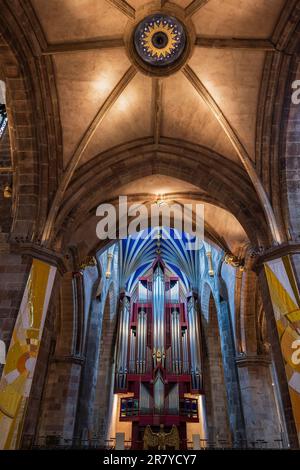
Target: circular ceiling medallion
160,40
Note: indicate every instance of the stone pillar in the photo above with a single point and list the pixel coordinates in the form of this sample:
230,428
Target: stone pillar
218,428
105,376
59,405
262,419
86,401
235,409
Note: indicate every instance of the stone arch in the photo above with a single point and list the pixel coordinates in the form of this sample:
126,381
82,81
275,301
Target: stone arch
34,123
291,159
278,136
93,183
207,293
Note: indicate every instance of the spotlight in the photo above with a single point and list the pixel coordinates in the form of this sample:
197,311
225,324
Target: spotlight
7,191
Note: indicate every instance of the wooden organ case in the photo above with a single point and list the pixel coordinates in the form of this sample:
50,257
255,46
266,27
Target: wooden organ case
158,357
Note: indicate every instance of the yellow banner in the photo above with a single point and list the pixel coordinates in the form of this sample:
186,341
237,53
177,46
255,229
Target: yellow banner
22,354
286,305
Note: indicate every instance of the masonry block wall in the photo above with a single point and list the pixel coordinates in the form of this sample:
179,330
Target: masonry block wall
5,179
60,403
14,272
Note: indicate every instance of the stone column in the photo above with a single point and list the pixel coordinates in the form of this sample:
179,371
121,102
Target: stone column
213,377
59,405
235,409
262,419
85,412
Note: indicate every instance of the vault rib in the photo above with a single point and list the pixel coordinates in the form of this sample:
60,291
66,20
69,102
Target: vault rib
157,109
81,46
124,7
194,6
81,147
235,43
238,147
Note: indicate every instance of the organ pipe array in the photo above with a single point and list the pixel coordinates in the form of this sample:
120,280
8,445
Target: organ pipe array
158,314
159,342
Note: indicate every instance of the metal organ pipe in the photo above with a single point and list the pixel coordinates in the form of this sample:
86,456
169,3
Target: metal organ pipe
162,314
140,333
132,352
144,340
123,344
198,342
158,309
125,337
119,355
173,342
195,344
185,352
141,359
192,334
139,343
178,341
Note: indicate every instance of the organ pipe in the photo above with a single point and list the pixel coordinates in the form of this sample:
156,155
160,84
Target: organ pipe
173,343
176,341
121,370
194,343
158,310
185,352
141,358
132,352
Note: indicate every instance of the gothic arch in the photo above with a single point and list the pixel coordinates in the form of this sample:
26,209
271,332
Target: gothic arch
176,160
34,124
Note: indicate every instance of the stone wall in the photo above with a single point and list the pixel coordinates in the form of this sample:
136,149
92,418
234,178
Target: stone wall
14,271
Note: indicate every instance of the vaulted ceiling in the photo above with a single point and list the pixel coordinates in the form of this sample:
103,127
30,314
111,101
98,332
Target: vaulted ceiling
112,114
86,77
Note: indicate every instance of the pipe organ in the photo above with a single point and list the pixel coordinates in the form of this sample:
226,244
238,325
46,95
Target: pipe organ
158,355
